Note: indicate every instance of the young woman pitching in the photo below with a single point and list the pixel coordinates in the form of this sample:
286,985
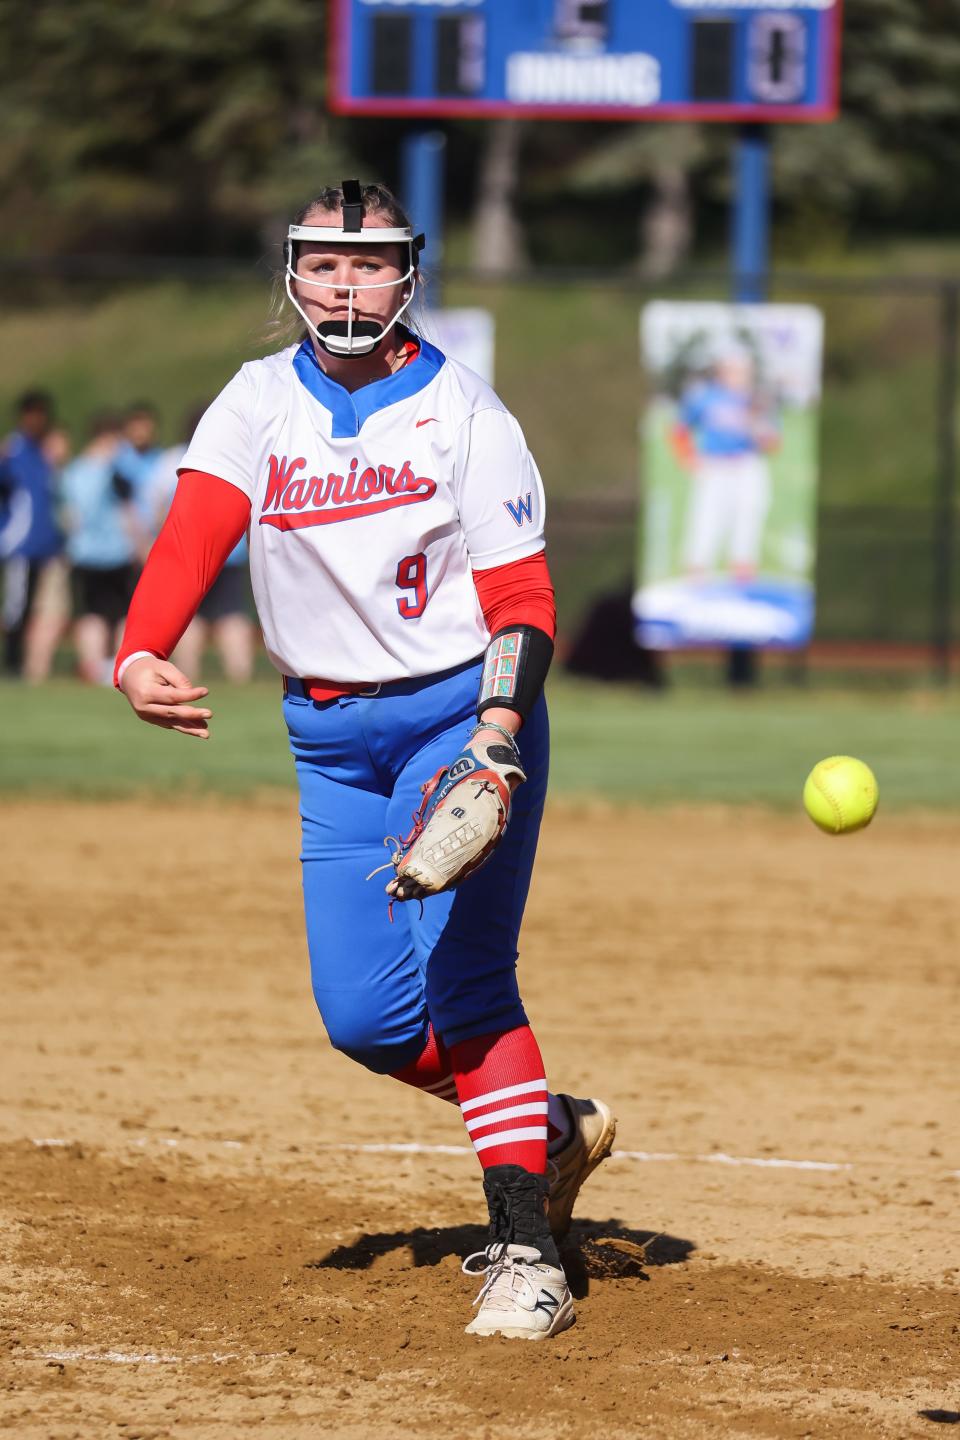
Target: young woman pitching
395,521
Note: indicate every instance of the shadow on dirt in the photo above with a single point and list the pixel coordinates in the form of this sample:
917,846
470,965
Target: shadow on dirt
610,1250
941,1417
594,1250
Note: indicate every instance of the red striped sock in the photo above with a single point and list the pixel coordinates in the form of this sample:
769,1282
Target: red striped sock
503,1098
431,1071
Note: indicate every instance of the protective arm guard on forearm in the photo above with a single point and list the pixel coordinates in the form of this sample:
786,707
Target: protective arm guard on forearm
514,669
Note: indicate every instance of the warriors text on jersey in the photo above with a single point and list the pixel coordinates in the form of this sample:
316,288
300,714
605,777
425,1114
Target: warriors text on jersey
370,512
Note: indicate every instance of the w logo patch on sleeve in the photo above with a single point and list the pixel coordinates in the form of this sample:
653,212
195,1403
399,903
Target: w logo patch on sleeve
520,509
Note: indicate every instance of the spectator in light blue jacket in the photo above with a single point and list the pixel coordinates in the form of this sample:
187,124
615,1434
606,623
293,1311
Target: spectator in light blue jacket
135,462
102,543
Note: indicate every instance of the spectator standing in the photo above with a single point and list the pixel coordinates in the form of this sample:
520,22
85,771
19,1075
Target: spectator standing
135,461
50,612
30,539
102,538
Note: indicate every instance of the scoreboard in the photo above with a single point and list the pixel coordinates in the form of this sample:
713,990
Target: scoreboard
733,60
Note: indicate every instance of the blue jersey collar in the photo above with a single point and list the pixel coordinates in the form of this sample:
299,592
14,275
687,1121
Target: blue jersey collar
349,410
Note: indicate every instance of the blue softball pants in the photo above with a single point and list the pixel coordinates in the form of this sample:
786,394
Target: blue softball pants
360,763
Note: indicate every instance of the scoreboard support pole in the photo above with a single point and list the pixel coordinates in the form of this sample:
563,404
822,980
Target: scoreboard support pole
944,532
422,159
750,247
751,214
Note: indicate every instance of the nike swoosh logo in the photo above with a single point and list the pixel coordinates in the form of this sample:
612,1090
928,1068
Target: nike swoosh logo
427,421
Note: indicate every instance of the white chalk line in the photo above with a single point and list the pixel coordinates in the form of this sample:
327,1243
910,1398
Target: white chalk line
169,1140
641,1157
144,1357
645,1157
413,1147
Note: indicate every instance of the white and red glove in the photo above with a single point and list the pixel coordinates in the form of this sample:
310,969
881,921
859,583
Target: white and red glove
462,817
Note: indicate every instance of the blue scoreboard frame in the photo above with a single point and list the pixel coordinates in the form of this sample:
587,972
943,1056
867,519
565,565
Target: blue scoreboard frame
728,60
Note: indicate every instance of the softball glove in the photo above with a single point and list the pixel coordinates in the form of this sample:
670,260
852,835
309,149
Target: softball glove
462,817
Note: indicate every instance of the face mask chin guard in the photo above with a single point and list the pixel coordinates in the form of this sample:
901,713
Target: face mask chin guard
350,338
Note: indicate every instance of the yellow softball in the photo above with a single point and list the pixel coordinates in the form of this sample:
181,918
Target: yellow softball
841,794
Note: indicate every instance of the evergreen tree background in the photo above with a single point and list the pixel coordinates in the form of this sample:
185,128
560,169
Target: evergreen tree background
197,126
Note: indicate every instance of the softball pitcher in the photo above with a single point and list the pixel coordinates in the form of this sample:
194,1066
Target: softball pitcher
395,522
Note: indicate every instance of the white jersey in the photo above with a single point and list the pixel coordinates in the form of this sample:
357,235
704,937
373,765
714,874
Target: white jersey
370,511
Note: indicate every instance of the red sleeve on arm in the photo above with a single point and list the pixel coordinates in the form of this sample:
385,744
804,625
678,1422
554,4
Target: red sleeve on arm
206,519
520,593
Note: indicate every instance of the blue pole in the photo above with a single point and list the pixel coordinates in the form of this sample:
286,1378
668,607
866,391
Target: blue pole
751,214
421,190
750,264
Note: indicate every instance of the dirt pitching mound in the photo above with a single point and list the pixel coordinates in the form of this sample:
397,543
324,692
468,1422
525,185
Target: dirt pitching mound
210,1223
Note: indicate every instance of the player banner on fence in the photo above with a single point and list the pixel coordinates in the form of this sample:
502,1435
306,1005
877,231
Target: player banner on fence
467,334
729,461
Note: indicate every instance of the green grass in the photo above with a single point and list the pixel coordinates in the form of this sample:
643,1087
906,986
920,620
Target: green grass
168,341
568,365
719,747
684,746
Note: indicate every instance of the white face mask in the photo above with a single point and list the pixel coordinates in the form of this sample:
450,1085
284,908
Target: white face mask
350,337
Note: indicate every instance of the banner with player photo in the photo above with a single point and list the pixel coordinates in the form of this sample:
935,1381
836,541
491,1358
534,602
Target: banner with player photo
466,334
729,459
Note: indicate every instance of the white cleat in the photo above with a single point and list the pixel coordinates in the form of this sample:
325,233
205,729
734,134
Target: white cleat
593,1130
521,1297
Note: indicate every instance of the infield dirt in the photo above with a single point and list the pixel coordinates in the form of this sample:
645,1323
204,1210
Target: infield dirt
192,1249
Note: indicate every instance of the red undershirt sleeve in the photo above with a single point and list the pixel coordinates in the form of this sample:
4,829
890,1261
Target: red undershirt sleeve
207,518
519,593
